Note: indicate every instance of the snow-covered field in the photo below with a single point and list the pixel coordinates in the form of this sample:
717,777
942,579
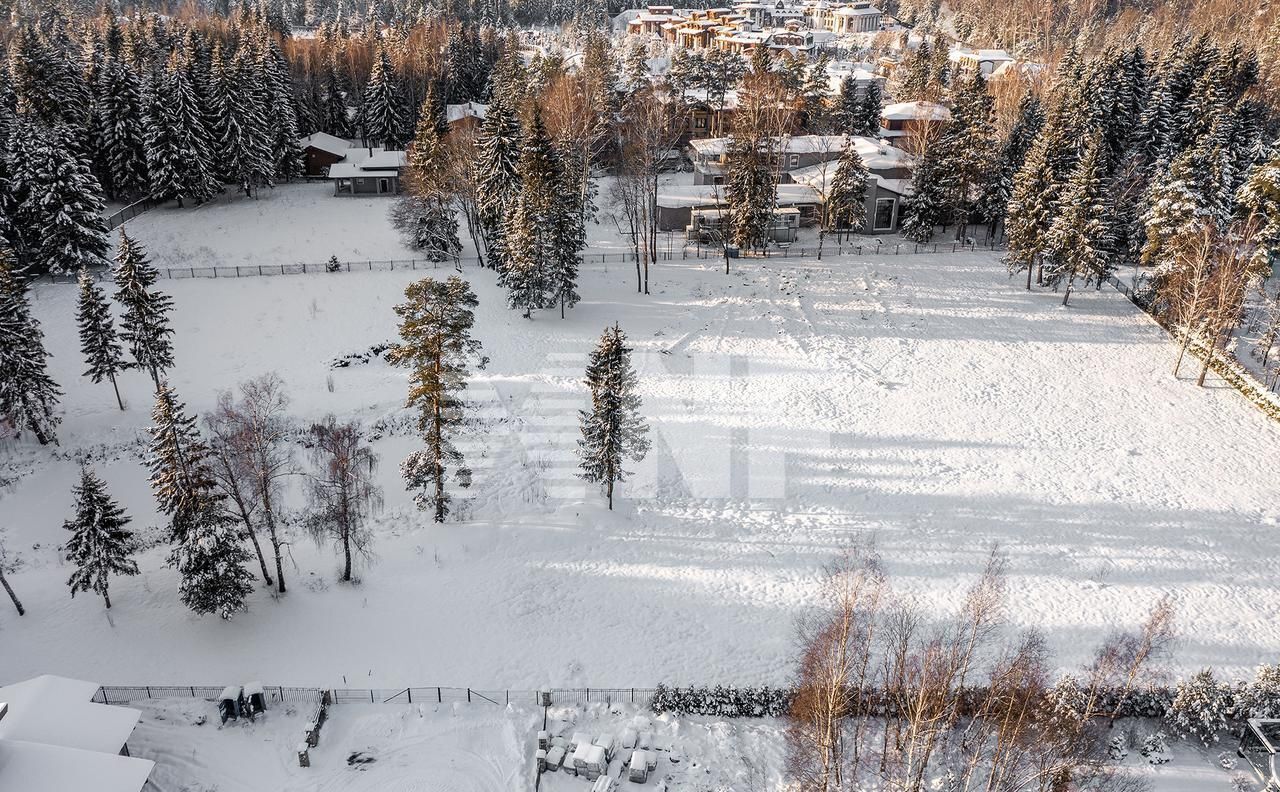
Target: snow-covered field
926,400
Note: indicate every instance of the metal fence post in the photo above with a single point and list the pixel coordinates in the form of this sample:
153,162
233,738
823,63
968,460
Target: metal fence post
370,696
439,697
468,695
410,694
148,691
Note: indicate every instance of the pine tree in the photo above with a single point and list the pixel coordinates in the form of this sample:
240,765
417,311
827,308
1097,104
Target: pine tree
61,209
530,235
497,177
1260,197
383,113
749,191
100,544
426,214
436,345
179,150
280,115
98,342
846,205
178,458
122,130
28,395
238,129
145,324
212,561
994,202
612,431
1078,246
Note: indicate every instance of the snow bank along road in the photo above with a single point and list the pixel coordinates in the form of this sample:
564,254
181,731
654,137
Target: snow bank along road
795,404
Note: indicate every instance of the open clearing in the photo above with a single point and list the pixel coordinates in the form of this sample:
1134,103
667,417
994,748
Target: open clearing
926,400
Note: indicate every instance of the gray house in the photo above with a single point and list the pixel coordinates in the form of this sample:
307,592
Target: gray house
367,171
800,152
885,196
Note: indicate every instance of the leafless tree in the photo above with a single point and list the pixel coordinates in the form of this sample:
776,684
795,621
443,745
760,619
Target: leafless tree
651,126
461,146
258,432
233,479
7,565
342,490
836,645
1205,292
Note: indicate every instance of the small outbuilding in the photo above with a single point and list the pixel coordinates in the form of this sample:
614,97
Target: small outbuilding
321,150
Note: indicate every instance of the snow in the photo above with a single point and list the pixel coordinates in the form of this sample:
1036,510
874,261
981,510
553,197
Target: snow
926,400
57,711
327,143
915,111
33,767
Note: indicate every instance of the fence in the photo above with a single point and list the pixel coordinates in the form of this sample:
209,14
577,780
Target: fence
409,695
131,211
624,257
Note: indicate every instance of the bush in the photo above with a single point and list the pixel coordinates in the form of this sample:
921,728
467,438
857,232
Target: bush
721,701
1261,697
1200,708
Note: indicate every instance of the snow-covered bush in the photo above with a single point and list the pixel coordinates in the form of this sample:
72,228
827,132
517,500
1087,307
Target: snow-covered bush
1200,708
721,701
1155,748
1261,697
1116,749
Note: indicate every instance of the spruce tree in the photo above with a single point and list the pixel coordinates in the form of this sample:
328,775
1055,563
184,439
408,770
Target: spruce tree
28,395
98,341
436,346
178,458
212,562
179,149
238,130
846,205
100,544
280,115
530,235
122,130
1260,198
750,192
994,202
1078,247
145,324
927,206
497,177
383,113
612,431
867,121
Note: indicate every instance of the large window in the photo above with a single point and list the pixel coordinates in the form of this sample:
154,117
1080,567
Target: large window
884,214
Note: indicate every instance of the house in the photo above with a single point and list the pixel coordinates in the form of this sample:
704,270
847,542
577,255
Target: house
54,738
800,151
863,76
910,125
367,171
885,194
985,61
678,204
320,150
844,18
464,118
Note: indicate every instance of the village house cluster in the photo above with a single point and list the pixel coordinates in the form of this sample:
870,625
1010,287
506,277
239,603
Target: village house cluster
747,26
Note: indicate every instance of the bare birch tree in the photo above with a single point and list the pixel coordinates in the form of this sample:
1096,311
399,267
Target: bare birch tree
342,491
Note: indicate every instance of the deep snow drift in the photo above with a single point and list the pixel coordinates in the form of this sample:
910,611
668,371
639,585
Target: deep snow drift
927,400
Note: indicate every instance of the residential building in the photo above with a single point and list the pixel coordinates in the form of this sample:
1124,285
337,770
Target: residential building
910,125
320,150
985,61
465,117
367,171
54,738
796,152
840,18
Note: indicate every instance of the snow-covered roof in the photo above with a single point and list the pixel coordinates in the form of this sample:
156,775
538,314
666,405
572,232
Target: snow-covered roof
853,11
34,767
457,112
327,143
679,196
384,160
915,111
957,54
58,711
805,144
349,170
54,738
819,177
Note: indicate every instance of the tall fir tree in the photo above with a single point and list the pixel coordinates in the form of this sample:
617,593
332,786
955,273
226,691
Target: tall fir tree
1260,198
994,202
497,177
382,113
179,148
122,129
145,324
238,131
103,356
426,214
28,395
612,430
437,347
1079,247
530,235
178,458
846,204
100,544
750,192
280,114
212,562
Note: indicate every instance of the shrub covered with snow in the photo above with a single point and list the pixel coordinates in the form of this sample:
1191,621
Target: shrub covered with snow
1200,707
